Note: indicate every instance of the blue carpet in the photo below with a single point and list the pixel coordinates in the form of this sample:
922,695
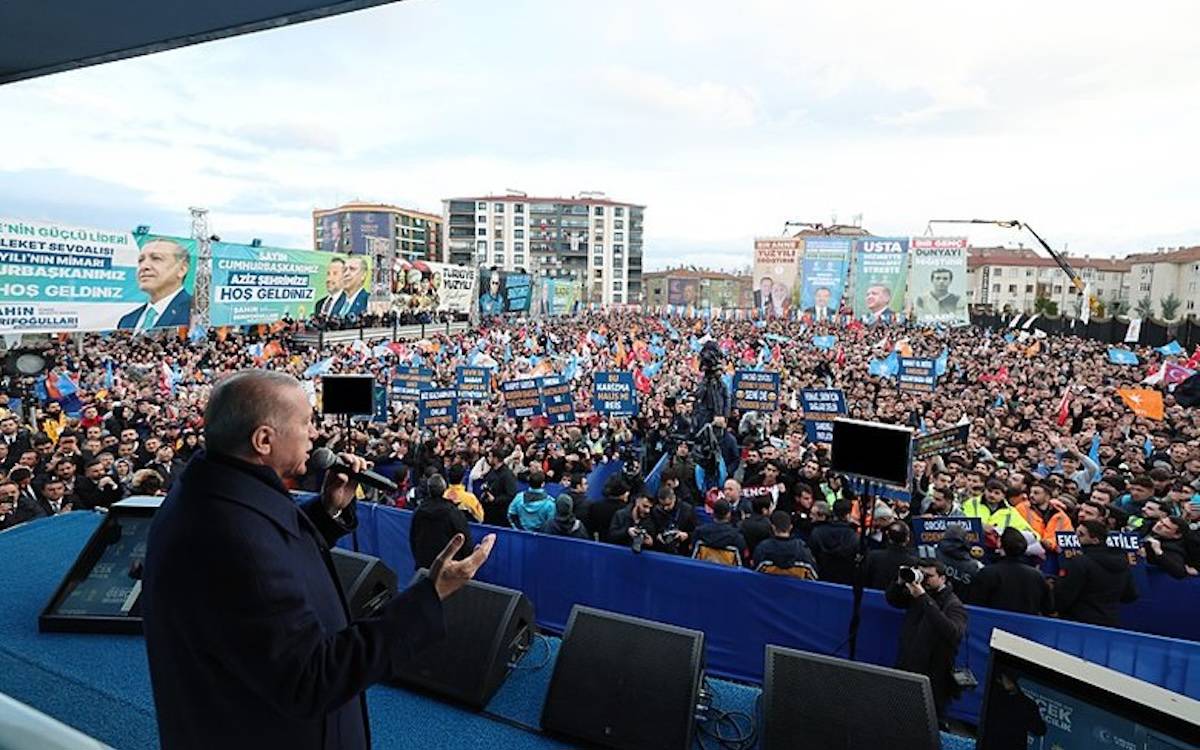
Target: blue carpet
100,684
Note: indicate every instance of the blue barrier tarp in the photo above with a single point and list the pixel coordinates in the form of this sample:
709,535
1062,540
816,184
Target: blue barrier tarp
741,611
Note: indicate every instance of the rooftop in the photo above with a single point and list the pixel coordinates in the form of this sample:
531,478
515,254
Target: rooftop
693,273
1167,255
1024,256
588,200
354,206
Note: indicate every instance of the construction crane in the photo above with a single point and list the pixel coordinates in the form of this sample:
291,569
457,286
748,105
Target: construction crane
1076,280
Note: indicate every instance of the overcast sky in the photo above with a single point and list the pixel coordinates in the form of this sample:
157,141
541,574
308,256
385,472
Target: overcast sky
725,118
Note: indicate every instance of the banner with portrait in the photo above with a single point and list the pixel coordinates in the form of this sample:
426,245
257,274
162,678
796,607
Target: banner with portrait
264,284
421,286
560,296
880,276
503,292
683,292
775,275
938,281
56,277
823,275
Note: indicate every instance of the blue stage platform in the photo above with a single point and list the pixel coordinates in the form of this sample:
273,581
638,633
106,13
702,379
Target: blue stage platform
100,684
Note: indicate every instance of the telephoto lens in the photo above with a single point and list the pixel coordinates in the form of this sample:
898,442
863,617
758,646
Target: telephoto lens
911,575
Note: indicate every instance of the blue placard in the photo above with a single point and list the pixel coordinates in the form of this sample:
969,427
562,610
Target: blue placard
820,406
613,394
522,398
408,382
557,402
473,383
755,390
437,407
917,374
927,532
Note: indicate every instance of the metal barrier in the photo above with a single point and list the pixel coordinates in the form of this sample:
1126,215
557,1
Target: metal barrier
394,333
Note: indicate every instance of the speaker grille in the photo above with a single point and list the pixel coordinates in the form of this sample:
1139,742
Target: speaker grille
482,623
835,703
622,682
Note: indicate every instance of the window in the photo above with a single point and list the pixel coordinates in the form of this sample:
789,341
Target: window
618,224
498,260
616,299
618,248
1028,288
599,249
1028,272
519,260
997,272
518,208
599,225
498,208
482,232
519,221
618,211
519,234
618,285
598,260
481,206
1191,305
619,236
1012,288
599,211
481,246
996,288
481,218
1058,289
518,247
1143,287
499,247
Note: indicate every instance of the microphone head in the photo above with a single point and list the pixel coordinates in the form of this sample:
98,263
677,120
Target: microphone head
321,459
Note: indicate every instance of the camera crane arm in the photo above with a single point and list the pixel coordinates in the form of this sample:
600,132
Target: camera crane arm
1058,258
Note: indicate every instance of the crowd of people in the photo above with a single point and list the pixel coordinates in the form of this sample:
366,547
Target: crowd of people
1037,461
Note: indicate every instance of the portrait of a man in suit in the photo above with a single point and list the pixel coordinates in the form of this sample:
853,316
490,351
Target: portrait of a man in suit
334,296
763,301
821,309
879,299
356,295
939,300
162,267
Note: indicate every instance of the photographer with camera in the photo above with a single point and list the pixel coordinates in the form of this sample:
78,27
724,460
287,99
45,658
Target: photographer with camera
934,625
675,521
632,525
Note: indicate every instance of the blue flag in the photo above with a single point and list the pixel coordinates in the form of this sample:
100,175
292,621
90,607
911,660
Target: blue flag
1172,349
319,368
1121,356
197,333
884,368
654,478
825,342
1094,451
109,378
942,362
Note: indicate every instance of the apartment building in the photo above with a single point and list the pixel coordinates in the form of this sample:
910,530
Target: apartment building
1016,277
588,238
1165,272
378,229
700,287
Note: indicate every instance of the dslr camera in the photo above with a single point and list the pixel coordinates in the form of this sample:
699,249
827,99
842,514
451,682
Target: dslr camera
638,539
909,574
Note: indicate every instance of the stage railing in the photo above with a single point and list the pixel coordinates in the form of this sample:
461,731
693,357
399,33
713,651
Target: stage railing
742,611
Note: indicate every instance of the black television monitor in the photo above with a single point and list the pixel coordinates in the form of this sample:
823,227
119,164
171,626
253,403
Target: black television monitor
1040,698
352,395
101,592
818,701
872,451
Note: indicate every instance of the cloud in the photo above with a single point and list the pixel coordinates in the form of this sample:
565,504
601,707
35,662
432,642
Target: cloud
702,102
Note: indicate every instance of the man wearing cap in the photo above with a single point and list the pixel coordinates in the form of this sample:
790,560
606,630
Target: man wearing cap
564,522
961,565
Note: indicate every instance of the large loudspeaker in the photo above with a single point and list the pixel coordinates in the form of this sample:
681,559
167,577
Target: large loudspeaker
487,629
836,703
623,682
367,583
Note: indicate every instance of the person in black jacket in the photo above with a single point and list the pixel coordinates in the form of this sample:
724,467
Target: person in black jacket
499,488
1166,547
935,622
720,533
600,514
961,566
883,565
1092,586
434,524
95,489
631,523
781,549
1010,584
834,545
756,527
674,523
564,522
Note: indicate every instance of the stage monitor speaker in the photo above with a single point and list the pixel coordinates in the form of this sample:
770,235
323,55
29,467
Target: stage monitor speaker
872,451
348,394
624,682
487,629
831,702
367,583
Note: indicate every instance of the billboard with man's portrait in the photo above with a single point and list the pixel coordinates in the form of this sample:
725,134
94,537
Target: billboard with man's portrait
421,286
683,292
776,272
55,277
503,292
938,281
253,285
880,276
826,261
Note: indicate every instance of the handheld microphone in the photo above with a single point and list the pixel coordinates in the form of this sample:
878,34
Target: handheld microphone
323,459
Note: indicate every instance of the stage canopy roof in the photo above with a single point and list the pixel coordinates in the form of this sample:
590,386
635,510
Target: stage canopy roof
39,37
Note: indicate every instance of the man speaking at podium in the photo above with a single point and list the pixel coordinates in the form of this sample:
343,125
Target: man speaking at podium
248,634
